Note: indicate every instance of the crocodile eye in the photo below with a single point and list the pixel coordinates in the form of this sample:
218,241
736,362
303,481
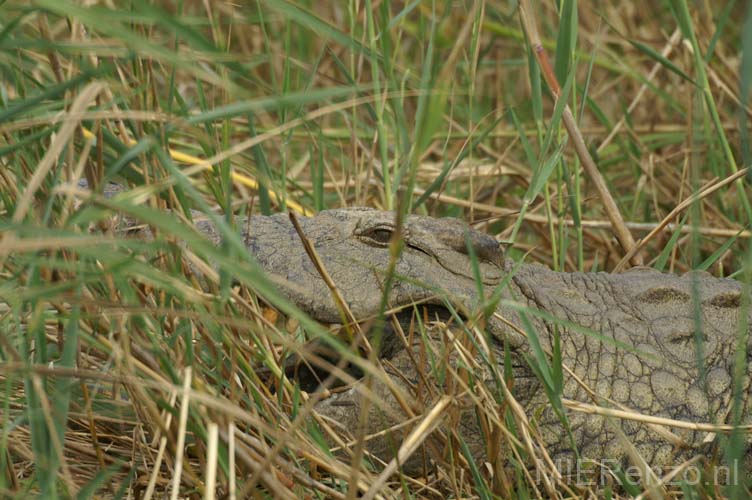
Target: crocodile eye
377,236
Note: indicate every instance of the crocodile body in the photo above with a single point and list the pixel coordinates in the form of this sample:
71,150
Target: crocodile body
630,340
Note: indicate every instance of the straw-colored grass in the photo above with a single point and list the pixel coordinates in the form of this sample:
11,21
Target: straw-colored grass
122,375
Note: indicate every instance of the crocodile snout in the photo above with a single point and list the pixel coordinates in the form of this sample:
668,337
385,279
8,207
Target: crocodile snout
489,256
485,247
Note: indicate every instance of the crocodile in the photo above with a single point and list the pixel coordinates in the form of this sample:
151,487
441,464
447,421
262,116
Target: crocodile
642,342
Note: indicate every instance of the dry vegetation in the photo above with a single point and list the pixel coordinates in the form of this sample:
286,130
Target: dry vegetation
123,375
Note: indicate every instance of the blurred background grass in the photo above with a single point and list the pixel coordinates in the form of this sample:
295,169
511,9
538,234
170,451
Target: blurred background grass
432,107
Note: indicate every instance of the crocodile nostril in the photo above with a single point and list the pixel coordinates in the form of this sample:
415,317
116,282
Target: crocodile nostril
485,247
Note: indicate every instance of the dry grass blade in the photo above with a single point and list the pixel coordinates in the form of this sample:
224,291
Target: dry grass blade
182,422
211,459
62,139
349,319
679,209
670,45
500,212
160,452
609,205
429,422
650,419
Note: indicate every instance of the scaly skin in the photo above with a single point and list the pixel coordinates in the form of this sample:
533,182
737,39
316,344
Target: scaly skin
629,338
653,369
639,352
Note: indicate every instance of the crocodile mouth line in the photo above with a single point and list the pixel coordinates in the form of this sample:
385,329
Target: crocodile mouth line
403,326
399,325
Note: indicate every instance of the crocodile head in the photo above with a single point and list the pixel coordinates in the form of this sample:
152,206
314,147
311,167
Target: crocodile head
353,245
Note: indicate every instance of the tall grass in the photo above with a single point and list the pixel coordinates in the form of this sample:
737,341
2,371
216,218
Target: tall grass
432,107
